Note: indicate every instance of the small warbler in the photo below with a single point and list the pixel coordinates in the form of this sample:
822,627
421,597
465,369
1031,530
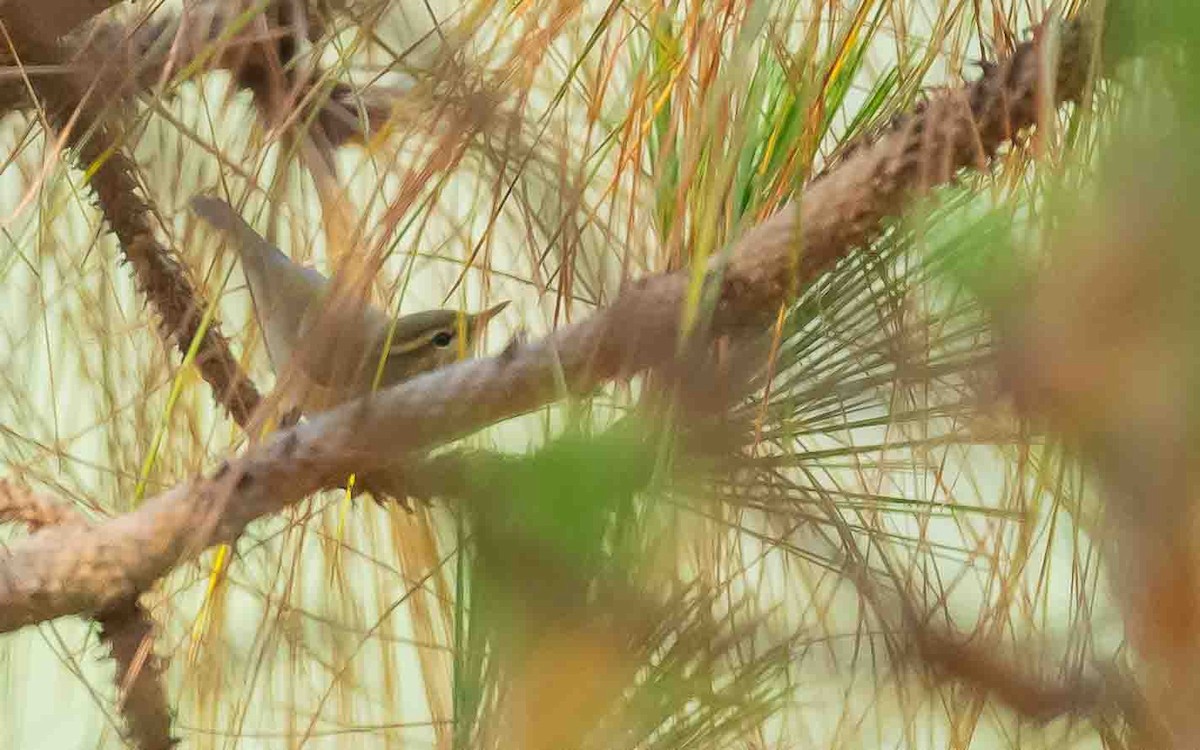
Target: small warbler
288,299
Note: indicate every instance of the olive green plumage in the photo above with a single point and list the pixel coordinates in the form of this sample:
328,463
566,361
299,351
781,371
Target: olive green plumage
287,297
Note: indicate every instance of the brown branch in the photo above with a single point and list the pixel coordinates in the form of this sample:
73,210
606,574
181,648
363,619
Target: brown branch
1108,693
123,59
127,629
164,281
65,571
1030,695
36,511
48,21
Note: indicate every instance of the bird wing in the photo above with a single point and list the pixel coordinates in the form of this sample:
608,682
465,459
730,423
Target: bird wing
282,291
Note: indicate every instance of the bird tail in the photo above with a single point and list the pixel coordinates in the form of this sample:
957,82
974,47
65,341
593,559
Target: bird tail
253,247
282,290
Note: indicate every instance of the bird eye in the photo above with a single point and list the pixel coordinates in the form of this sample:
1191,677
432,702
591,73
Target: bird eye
442,339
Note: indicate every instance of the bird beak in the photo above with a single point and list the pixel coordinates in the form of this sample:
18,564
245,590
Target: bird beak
481,319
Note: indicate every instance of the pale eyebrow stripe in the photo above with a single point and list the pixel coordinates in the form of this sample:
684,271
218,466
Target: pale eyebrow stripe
422,340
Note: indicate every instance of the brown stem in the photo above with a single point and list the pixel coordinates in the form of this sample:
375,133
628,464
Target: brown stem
180,305
124,59
126,628
21,505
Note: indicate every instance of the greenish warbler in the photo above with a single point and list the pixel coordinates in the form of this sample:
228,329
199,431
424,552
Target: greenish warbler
288,298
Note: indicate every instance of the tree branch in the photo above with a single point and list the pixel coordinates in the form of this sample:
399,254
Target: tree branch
1108,693
123,59
76,571
36,511
128,630
81,114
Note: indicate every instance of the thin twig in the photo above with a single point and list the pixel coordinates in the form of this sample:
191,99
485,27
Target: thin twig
20,504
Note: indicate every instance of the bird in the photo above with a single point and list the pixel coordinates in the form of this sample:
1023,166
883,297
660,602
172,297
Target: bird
367,349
